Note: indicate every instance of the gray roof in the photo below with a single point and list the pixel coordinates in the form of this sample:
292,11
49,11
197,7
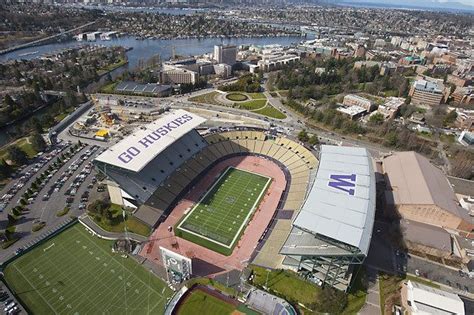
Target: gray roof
428,235
302,243
341,202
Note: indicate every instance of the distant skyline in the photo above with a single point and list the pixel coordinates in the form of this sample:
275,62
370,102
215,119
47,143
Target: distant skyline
451,4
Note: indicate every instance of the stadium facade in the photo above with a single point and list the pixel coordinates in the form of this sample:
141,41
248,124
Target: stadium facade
331,234
138,165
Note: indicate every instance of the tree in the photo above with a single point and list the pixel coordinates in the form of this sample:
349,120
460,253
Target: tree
5,169
450,117
17,155
37,142
303,136
376,119
313,140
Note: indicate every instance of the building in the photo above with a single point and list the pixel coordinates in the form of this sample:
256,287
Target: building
466,138
331,234
149,89
463,95
420,299
276,61
225,54
179,76
136,166
353,112
465,119
356,100
418,191
426,93
391,107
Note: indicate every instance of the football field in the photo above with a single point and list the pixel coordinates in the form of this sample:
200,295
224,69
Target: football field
76,273
220,217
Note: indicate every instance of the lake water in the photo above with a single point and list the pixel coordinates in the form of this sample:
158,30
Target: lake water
142,49
145,49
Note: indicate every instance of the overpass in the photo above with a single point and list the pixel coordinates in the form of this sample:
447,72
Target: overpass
39,41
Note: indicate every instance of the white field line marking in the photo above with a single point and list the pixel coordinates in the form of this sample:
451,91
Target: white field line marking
45,249
243,223
34,287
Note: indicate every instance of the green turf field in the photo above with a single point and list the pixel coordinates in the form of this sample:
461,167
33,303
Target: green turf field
76,273
220,217
199,302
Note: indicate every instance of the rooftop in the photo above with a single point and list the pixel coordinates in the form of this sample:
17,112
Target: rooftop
428,86
414,180
137,150
341,202
428,300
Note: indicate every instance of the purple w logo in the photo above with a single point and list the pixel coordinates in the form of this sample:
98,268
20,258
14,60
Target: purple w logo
342,181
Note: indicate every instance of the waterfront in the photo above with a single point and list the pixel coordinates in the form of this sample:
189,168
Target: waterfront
145,49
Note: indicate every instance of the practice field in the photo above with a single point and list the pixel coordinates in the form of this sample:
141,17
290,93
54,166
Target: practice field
76,273
219,218
199,302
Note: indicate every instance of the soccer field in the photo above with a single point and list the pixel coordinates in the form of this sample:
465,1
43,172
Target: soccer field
76,273
220,217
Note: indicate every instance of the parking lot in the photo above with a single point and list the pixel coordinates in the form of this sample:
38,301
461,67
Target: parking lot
62,177
9,305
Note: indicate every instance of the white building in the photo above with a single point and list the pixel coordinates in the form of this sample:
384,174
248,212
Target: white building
421,299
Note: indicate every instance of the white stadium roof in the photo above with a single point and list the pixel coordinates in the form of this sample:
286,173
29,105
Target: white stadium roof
137,150
341,202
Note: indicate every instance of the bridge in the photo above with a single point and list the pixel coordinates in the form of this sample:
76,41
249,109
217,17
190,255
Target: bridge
39,41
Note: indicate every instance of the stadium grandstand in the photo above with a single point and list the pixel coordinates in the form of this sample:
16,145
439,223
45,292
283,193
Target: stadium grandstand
139,164
331,233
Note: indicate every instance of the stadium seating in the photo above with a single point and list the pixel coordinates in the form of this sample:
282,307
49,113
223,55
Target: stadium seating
296,158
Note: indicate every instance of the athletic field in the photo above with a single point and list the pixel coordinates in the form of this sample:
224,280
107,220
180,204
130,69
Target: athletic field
220,217
76,273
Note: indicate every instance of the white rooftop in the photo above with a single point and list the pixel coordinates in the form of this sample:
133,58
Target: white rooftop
428,300
137,150
341,202
351,110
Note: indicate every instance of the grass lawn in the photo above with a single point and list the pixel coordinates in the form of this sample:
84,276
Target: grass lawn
236,97
112,66
422,281
208,98
253,104
199,302
257,96
109,88
133,225
23,144
77,273
220,217
270,111
357,294
283,93
389,291
287,284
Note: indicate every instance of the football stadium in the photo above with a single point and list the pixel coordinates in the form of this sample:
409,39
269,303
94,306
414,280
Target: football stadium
224,199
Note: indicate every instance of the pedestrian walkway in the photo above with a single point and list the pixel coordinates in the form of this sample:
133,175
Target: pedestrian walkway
372,303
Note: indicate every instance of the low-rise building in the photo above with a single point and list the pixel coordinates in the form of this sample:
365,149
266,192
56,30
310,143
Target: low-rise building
465,119
353,112
391,107
356,100
179,76
420,299
466,138
463,95
418,191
